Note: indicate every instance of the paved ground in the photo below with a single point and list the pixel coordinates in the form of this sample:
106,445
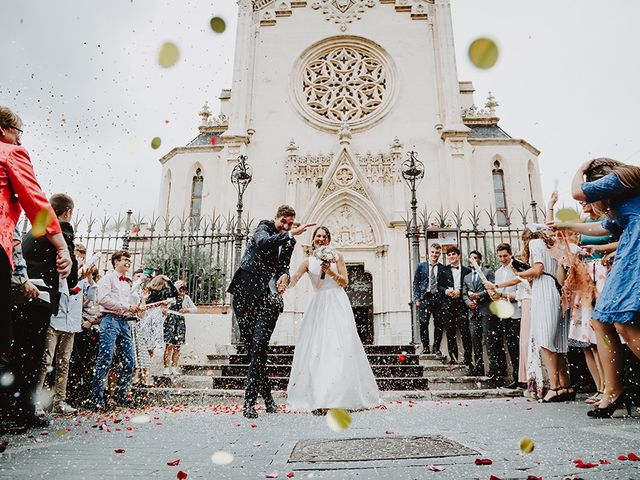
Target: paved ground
81,448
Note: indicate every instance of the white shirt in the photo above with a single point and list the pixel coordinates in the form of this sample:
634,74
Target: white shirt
456,277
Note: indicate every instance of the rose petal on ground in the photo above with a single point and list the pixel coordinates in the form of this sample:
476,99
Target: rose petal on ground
290,475
175,463
533,477
605,462
483,461
493,477
119,450
435,468
271,475
586,465
181,475
622,457
633,457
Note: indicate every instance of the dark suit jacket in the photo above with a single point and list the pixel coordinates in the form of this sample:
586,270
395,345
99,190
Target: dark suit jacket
267,256
40,255
421,280
445,281
477,287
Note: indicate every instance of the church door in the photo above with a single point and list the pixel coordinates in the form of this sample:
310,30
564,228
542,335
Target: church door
360,293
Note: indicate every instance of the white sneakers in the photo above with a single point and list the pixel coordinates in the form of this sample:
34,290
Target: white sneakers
65,409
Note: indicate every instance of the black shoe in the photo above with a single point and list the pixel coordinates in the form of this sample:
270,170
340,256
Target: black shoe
607,412
249,411
271,406
426,351
37,422
497,381
437,352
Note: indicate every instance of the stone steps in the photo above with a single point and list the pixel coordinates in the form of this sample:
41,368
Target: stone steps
460,383
369,349
280,383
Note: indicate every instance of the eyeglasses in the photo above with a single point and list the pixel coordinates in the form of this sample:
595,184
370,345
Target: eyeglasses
20,132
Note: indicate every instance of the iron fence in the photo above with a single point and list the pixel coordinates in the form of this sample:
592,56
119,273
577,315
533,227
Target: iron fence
201,251
481,230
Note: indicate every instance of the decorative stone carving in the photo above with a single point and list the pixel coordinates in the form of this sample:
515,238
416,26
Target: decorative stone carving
343,12
344,82
349,228
344,176
306,168
379,168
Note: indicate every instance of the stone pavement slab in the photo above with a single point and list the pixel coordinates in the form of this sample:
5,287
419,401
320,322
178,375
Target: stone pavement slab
84,447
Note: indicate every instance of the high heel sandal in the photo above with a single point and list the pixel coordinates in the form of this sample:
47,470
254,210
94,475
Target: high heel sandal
607,412
552,399
595,398
567,396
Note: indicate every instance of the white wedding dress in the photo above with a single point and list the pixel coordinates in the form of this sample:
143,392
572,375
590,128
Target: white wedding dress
330,368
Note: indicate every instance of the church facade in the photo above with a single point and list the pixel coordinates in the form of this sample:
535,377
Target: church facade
327,99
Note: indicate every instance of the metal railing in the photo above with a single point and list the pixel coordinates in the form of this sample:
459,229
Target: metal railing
198,250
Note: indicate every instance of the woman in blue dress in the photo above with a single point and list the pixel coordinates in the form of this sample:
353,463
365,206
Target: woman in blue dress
618,307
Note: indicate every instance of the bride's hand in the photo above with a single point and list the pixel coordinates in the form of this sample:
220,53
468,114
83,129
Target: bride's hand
325,267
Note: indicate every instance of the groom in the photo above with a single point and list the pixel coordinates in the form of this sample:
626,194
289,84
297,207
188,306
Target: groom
257,288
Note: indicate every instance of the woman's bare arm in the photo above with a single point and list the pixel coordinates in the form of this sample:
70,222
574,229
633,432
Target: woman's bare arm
302,269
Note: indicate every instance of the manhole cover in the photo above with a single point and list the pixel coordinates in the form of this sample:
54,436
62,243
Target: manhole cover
380,448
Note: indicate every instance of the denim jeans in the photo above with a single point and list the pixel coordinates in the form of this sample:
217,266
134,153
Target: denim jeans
113,330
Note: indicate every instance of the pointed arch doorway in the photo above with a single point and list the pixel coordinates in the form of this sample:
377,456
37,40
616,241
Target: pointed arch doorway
360,293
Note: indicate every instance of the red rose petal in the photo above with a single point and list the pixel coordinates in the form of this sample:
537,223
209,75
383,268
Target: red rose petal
605,462
622,457
401,358
493,477
483,461
579,460
175,463
253,425
533,477
633,457
182,475
290,475
119,450
586,465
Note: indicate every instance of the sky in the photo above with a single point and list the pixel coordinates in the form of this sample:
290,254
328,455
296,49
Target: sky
84,78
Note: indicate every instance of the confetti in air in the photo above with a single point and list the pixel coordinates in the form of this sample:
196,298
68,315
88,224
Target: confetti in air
527,445
41,222
338,419
155,143
568,215
7,379
502,308
168,55
218,25
483,53
221,458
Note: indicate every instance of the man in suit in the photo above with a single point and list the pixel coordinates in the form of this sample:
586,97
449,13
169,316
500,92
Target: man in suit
32,318
428,300
257,287
454,310
484,326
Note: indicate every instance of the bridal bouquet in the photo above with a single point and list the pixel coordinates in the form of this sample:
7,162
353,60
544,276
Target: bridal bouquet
325,254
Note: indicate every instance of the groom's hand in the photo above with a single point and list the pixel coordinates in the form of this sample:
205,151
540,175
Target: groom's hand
301,229
282,283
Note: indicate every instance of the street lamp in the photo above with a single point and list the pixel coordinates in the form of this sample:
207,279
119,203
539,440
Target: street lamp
241,177
413,172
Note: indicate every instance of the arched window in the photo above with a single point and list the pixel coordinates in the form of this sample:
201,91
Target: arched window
500,194
196,198
168,203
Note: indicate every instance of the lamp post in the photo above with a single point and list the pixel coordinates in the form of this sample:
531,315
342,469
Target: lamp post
413,172
241,177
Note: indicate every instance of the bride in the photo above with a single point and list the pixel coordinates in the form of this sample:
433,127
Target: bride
330,368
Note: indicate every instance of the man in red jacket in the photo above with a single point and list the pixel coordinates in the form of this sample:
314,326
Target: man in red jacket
19,190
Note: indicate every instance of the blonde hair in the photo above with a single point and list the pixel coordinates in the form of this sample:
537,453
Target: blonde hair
158,282
8,118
